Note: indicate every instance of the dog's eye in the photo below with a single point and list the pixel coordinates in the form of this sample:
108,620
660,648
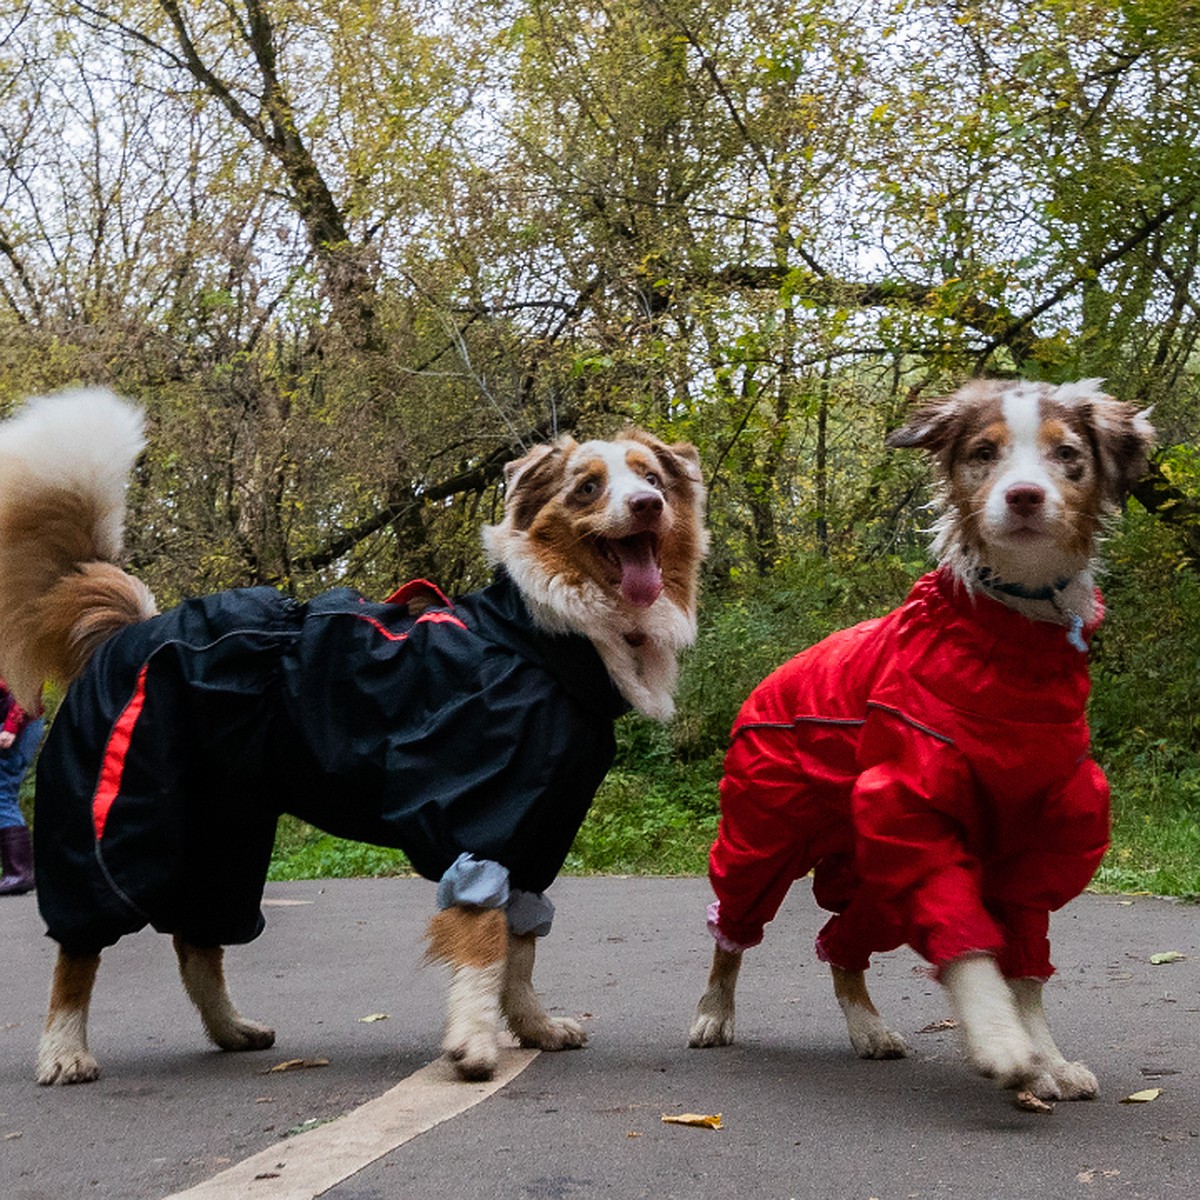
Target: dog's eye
1067,454
985,452
653,480
587,489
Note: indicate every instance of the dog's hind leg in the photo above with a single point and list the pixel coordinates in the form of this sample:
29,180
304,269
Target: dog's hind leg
202,970
869,1036
473,941
527,1019
1061,1080
63,1055
713,1023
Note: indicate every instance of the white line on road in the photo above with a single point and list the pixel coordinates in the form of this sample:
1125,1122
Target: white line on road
309,1165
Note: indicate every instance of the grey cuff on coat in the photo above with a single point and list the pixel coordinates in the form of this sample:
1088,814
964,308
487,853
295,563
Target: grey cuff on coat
483,883
475,881
530,912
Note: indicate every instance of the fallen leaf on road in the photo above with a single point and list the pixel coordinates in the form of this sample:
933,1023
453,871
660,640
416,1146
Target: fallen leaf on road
1028,1102
1143,1097
699,1120
1167,956
1091,1175
12,1137
373,1017
296,1064
938,1026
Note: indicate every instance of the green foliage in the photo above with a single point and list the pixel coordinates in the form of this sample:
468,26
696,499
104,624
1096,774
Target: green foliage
302,852
753,625
1145,710
651,817
1146,671
1156,824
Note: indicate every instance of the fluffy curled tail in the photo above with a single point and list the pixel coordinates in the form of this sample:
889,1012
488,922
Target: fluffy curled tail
64,461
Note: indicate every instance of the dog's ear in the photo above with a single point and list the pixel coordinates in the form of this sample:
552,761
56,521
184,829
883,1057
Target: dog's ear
1122,436
530,481
680,460
931,426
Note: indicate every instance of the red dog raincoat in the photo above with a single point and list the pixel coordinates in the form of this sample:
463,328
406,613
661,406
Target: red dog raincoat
931,768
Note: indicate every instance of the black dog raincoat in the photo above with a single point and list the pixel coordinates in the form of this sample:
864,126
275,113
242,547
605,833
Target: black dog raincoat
464,736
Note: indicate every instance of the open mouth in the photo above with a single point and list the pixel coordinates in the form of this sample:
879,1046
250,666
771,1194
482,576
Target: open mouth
634,567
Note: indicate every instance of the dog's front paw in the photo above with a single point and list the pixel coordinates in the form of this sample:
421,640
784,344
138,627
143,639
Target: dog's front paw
711,1029
552,1033
474,1056
63,1055
245,1035
1011,1062
1064,1080
63,1067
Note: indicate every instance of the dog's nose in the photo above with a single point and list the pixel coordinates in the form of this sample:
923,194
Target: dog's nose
1025,499
645,504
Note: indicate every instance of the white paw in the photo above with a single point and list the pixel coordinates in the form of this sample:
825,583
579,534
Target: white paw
711,1029
872,1039
1011,1062
474,1056
64,1067
63,1052
552,1033
1064,1080
245,1035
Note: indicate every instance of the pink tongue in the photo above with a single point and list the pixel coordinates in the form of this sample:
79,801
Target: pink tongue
641,576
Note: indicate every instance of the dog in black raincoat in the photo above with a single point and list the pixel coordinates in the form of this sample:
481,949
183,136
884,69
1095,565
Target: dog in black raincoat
471,734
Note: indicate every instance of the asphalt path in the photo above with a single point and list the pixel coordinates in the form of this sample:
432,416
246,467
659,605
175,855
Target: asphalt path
801,1116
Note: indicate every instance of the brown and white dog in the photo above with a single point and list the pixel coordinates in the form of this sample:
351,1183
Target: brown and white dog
930,768
603,541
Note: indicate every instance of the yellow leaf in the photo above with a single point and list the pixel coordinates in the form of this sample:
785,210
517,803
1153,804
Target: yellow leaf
373,1017
1167,956
699,1120
1143,1097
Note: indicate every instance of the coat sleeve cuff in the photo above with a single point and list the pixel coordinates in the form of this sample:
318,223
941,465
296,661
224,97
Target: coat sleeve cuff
529,912
480,883
726,943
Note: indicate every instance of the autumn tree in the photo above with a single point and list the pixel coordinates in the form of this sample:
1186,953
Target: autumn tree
354,256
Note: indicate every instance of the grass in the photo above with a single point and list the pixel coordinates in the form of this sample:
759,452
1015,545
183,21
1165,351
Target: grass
1156,828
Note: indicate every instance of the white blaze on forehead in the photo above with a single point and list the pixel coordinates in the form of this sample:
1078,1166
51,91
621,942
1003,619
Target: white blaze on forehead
1022,463
1022,410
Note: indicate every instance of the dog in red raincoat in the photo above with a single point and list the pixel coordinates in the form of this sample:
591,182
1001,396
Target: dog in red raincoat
931,767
